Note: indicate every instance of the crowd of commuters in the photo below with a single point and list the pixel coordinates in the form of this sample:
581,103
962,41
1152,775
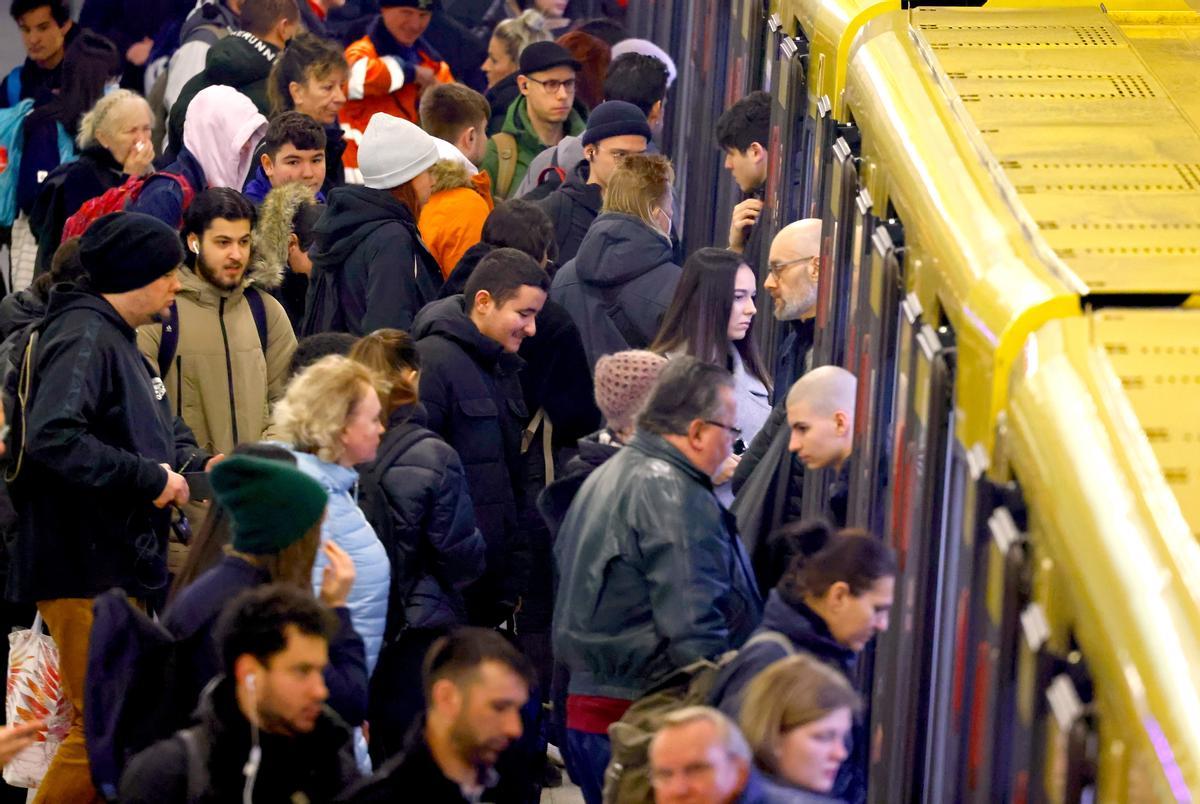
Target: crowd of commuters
354,342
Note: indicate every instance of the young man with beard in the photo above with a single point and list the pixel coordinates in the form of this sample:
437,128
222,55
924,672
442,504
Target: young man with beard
475,686
224,354
263,732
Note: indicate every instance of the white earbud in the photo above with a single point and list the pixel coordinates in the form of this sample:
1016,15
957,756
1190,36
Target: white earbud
195,247
250,682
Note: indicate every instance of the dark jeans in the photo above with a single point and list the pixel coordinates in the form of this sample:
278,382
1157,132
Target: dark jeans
586,756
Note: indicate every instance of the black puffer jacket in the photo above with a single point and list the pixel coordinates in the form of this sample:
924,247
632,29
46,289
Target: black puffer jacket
64,191
473,399
415,496
97,427
572,208
500,97
555,375
652,575
370,268
619,285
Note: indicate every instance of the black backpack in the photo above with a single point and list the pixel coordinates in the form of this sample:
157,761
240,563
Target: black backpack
131,700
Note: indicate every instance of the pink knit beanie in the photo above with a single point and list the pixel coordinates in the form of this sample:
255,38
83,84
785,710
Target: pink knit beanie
623,382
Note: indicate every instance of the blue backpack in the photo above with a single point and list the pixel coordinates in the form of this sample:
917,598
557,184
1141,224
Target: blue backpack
12,142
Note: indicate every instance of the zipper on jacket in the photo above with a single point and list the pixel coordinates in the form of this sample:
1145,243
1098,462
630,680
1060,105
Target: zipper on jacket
179,386
228,371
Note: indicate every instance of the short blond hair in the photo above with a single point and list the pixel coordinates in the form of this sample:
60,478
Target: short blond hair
318,403
790,693
640,183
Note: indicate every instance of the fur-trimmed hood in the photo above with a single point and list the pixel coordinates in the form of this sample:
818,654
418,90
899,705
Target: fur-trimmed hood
271,233
449,174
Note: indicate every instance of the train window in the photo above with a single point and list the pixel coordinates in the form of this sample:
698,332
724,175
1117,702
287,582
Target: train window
820,150
926,507
833,290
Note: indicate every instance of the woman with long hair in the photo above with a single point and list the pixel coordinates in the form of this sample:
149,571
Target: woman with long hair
416,498
711,318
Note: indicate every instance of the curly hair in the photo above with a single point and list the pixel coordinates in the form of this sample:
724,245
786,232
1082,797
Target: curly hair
318,403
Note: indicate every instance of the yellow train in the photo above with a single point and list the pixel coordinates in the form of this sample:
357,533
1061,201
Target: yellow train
1011,244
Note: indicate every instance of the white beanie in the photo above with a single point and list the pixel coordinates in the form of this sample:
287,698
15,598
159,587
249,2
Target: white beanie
394,151
646,48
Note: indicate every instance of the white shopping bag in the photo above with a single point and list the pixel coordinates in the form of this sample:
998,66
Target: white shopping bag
35,692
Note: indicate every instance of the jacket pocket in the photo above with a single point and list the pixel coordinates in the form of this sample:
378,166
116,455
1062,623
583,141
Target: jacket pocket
478,408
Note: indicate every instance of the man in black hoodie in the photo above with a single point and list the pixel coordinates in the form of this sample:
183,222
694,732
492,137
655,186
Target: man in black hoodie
469,387
241,60
99,435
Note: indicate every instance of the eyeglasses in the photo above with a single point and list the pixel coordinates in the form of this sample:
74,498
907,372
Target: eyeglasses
776,268
736,432
553,85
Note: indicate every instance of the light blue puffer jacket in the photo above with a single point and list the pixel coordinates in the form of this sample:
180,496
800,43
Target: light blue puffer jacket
346,525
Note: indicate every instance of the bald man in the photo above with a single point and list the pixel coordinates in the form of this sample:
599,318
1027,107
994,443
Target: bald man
820,415
793,269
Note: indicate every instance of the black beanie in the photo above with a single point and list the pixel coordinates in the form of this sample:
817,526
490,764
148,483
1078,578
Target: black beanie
124,251
614,119
540,56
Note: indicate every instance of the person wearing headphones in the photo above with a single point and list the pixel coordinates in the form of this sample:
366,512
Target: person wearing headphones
263,732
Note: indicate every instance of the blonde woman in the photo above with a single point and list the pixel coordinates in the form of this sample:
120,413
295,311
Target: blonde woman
797,716
114,142
330,416
623,277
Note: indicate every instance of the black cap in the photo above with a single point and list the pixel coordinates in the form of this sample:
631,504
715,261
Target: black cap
124,251
544,55
419,5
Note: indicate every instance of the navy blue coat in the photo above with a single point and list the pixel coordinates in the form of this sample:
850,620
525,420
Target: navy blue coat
619,285
163,197
193,614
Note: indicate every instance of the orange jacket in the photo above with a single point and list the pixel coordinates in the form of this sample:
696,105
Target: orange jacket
380,84
452,220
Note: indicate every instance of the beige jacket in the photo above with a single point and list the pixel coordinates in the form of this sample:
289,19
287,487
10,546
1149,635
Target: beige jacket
220,382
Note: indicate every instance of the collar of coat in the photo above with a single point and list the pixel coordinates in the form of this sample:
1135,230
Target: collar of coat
655,446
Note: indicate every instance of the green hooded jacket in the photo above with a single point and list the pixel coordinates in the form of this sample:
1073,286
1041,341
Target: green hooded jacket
516,123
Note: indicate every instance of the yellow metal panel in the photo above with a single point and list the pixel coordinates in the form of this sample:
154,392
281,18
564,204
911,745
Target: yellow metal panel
1111,522
1092,129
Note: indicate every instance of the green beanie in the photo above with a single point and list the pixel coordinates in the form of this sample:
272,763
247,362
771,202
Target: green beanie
272,504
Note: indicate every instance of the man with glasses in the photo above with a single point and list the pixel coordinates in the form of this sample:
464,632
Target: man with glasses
538,119
652,574
614,130
769,480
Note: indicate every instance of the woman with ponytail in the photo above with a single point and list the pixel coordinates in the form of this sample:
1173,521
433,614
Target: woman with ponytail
829,604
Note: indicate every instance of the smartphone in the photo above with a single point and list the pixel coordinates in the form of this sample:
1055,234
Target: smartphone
199,487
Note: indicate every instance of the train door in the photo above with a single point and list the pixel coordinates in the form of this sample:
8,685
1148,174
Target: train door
911,676
876,321
790,133
839,214
986,662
